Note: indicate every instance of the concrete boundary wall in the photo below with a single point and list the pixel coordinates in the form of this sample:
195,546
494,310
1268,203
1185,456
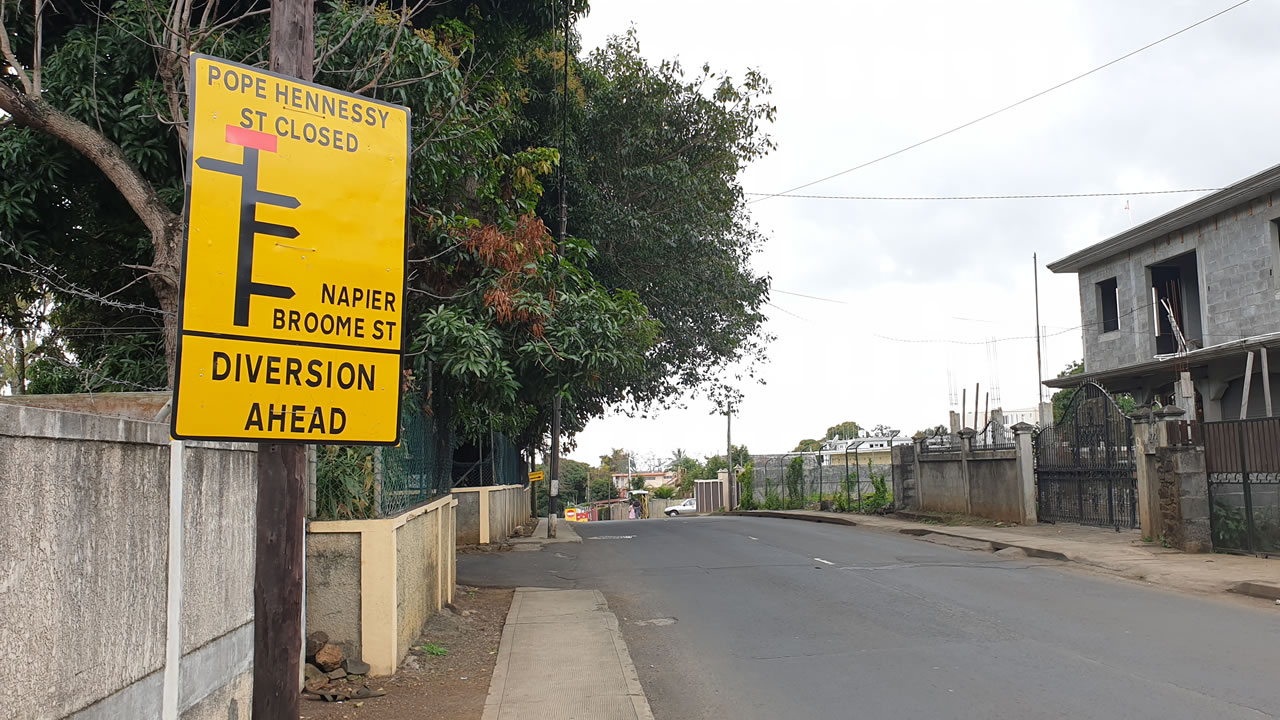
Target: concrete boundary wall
118,611
372,584
491,513
993,484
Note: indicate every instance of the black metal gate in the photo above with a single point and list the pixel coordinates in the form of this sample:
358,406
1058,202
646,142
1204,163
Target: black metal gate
1242,458
1085,471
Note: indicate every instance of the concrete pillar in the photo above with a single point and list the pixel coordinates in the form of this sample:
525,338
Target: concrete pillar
1026,471
918,440
966,444
1144,461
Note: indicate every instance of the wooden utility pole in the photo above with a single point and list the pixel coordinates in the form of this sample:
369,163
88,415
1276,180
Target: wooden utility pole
282,473
728,435
554,489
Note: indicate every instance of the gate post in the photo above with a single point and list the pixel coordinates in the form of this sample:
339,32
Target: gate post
1026,472
1144,451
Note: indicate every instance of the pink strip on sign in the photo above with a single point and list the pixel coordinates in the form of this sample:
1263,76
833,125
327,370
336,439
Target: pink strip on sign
251,138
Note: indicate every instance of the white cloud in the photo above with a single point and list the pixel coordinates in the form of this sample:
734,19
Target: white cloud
853,81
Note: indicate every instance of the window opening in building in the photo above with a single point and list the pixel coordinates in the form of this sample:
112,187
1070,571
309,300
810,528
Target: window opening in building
1177,282
1109,305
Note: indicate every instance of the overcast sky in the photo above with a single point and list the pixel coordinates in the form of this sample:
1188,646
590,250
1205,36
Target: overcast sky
855,79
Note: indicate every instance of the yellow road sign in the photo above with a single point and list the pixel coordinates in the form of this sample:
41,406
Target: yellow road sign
536,476
292,300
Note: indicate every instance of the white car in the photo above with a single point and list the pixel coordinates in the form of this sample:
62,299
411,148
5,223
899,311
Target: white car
685,508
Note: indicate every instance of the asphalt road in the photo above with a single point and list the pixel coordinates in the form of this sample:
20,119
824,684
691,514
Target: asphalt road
733,617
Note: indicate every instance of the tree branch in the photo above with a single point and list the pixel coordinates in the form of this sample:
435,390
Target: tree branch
110,159
11,58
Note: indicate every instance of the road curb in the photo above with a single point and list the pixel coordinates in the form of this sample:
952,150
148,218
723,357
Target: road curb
1030,550
833,520
1262,590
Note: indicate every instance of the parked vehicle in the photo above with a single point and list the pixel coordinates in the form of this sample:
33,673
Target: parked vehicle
685,508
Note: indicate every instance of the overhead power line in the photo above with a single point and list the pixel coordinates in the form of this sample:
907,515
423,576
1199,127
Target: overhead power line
983,197
811,297
1010,106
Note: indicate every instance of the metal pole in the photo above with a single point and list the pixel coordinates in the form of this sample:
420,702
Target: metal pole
1035,272
857,466
282,472
846,475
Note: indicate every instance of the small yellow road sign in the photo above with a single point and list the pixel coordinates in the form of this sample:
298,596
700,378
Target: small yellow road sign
292,301
536,476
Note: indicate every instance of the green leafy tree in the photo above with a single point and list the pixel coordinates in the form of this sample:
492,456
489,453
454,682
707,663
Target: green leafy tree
617,461
652,294
666,492
602,488
746,487
795,484
844,431
1062,399
653,162
716,463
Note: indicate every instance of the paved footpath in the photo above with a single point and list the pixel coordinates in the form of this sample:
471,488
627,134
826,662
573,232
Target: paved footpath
562,657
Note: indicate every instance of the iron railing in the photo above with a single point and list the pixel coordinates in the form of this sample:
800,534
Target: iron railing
939,440
1242,458
994,436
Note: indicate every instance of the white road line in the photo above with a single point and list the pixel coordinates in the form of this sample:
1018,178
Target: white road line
824,561
752,538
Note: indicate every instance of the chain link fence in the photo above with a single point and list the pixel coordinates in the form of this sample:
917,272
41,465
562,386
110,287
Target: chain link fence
356,482
495,461
798,480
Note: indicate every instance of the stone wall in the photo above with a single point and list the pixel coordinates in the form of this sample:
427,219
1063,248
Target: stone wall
905,492
89,594
1183,498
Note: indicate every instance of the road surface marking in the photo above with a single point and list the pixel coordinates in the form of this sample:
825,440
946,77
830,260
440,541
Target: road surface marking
828,562
611,537
752,538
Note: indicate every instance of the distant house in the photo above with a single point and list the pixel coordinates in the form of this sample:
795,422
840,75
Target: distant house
878,449
1211,264
622,481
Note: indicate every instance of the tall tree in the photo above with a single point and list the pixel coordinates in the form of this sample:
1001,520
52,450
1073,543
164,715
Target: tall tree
652,163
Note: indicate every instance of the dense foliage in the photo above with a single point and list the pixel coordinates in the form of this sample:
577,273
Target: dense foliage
651,294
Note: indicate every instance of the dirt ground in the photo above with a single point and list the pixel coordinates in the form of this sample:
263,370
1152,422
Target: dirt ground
430,686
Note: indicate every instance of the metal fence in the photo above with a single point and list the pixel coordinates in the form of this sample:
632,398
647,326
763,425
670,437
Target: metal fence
994,436
800,480
497,462
1242,458
357,482
939,440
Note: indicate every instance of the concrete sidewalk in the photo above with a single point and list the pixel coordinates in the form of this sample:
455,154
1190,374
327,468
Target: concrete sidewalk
1121,553
565,533
562,656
